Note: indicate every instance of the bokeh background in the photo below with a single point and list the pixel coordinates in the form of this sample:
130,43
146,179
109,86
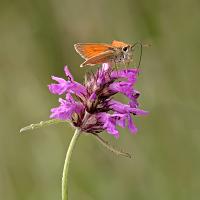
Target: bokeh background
36,41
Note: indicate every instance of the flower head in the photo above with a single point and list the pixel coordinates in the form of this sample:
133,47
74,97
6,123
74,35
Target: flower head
91,106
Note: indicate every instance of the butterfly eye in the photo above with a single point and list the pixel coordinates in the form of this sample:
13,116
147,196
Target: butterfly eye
125,49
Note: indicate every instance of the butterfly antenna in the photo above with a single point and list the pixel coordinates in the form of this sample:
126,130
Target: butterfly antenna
140,58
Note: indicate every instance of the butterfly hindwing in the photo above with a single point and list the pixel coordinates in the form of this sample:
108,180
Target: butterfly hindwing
100,58
116,43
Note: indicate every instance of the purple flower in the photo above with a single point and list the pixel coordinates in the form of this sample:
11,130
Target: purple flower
91,106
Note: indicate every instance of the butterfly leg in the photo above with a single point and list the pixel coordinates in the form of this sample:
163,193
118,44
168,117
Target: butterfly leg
116,67
126,66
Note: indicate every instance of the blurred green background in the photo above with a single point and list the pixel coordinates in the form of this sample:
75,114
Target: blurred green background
36,41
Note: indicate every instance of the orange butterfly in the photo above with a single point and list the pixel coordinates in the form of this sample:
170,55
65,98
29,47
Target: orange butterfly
98,53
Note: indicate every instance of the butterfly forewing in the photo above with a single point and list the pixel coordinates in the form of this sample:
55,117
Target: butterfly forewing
89,50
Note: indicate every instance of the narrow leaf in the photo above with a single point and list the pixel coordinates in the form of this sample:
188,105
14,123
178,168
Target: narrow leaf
111,148
41,124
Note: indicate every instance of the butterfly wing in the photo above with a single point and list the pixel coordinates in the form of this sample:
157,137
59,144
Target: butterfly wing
103,57
89,50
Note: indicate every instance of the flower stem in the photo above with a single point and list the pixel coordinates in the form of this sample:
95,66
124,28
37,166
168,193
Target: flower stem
66,164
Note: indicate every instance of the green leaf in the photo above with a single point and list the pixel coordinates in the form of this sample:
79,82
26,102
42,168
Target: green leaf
41,124
110,147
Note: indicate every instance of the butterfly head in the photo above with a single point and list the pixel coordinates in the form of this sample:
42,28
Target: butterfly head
127,53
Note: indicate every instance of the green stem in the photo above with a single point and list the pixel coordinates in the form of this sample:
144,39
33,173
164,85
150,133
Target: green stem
66,165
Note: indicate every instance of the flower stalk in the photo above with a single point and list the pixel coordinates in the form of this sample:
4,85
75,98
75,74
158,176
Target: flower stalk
67,163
